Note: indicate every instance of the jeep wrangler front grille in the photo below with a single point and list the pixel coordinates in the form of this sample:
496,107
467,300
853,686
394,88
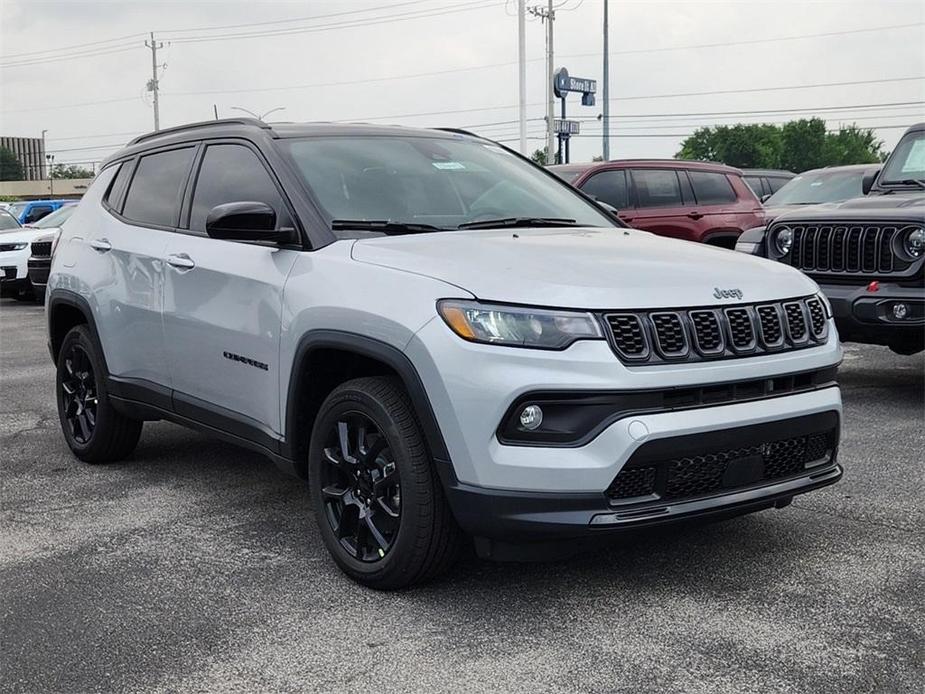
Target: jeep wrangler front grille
656,337
847,249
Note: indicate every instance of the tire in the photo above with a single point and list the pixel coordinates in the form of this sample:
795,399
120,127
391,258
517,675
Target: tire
93,429
424,540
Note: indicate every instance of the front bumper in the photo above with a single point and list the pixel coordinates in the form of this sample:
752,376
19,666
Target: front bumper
506,522
865,316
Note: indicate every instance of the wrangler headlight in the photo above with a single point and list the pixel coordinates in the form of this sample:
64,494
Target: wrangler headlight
783,240
517,326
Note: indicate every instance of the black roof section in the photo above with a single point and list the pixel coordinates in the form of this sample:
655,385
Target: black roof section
230,127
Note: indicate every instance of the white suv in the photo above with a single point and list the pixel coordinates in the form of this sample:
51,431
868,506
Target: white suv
444,338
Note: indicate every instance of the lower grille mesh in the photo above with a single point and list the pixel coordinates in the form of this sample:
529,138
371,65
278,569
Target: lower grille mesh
692,476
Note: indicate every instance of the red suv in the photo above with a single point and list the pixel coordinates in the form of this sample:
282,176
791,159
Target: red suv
691,200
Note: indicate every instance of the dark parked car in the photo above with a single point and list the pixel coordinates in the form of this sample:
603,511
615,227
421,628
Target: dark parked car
690,200
867,253
818,186
766,182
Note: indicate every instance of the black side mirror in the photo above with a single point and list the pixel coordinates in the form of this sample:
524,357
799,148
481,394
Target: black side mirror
868,181
245,221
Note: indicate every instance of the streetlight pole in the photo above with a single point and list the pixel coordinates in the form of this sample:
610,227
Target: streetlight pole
606,138
254,115
41,159
51,178
522,73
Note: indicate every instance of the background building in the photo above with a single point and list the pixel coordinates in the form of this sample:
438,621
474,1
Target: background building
31,154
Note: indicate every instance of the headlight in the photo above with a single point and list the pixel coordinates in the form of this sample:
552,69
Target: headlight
914,241
517,326
19,246
783,240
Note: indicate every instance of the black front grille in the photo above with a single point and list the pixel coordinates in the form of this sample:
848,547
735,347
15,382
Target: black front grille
772,332
741,330
41,248
708,472
796,321
708,333
628,335
652,337
848,249
670,335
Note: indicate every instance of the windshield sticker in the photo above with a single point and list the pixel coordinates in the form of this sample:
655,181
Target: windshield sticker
916,159
448,165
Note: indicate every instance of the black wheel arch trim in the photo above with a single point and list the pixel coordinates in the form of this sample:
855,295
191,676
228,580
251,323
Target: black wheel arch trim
372,348
66,297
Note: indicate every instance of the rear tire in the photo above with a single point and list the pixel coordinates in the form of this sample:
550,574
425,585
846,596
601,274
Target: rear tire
92,427
378,502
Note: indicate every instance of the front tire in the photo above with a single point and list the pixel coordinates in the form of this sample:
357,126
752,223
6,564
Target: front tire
378,503
92,427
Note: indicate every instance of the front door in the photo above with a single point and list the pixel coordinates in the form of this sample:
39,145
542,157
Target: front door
223,299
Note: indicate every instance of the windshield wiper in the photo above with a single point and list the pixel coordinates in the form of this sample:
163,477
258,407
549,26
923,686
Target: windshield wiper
519,222
386,226
906,182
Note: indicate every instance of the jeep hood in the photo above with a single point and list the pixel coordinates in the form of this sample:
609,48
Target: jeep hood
588,268
22,235
899,205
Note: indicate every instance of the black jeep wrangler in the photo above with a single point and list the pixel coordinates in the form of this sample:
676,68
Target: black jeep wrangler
867,254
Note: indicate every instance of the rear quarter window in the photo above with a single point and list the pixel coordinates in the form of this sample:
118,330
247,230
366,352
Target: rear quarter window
154,194
711,188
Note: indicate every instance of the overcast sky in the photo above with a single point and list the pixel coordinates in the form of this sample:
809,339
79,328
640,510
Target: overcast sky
340,70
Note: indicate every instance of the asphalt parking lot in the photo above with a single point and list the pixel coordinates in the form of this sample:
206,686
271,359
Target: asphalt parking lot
196,566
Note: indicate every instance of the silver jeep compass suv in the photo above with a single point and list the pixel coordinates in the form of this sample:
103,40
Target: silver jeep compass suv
442,337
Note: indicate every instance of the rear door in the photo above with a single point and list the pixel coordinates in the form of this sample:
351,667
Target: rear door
124,262
223,299
663,204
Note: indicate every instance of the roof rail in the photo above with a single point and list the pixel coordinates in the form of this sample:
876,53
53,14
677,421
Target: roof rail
200,124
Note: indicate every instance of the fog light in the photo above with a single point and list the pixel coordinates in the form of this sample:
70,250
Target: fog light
531,417
900,311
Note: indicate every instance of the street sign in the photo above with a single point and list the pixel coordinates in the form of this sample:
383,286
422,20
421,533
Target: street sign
564,83
566,127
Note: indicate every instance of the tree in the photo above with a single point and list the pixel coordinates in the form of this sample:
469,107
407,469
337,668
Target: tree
798,145
539,156
803,144
10,166
70,171
853,145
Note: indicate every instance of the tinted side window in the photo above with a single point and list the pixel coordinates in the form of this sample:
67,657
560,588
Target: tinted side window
657,188
154,194
712,188
754,182
777,183
232,173
117,187
609,187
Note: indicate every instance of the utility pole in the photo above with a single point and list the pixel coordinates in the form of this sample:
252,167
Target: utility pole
606,138
41,170
153,82
548,15
522,73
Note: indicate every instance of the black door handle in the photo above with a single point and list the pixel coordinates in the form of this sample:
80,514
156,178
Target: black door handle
695,215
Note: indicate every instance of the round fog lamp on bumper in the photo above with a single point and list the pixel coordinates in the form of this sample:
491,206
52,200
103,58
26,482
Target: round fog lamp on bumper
783,240
531,417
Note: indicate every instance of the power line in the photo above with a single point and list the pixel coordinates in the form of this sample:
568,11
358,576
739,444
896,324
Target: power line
117,39
86,54
369,21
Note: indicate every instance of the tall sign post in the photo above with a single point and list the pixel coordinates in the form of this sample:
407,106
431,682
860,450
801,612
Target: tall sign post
562,84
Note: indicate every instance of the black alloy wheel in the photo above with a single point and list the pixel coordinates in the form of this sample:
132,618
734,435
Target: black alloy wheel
361,487
80,398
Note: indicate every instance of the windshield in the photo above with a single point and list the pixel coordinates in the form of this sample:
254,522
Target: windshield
16,209
434,181
907,163
819,187
8,221
56,218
